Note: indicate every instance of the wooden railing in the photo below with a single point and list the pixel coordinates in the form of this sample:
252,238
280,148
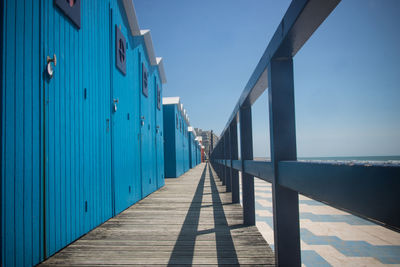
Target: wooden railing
369,191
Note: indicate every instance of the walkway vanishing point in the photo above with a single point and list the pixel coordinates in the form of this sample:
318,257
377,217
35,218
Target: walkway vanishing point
190,221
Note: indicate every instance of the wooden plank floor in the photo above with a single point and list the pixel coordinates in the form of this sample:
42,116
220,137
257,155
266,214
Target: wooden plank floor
190,221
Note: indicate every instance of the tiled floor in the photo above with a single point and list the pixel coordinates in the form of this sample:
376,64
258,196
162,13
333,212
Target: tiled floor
331,237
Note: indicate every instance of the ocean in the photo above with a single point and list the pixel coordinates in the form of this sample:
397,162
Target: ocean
380,160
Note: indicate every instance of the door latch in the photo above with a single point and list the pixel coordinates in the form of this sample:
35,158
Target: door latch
49,66
115,101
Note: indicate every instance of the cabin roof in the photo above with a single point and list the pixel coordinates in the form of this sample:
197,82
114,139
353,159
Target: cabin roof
136,31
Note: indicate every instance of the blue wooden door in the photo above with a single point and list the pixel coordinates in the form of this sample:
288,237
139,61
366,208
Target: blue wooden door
152,106
76,122
125,130
147,145
159,150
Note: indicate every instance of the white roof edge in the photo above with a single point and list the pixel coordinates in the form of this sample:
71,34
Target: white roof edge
135,31
176,100
191,129
149,46
161,69
171,100
131,15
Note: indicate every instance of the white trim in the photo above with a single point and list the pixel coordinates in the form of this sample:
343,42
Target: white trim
177,101
171,100
161,69
149,46
135,31
131,15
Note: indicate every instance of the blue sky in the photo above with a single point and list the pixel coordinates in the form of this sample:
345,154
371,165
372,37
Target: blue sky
346,76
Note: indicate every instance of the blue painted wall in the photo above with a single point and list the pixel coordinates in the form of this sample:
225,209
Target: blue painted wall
159,139
179,147
77,144
180,150
170,152
186,164
193,150
21,183
147,129
173,141
68,162
198,153
190,142
125,121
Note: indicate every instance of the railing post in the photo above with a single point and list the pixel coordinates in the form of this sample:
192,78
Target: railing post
283,147
228,161
234,156
211,143
223,160
216,157
246,151
220,156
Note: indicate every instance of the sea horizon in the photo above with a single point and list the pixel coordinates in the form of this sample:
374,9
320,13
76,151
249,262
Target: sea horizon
393,159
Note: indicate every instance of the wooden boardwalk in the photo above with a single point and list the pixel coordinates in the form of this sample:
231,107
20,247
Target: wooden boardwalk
190,221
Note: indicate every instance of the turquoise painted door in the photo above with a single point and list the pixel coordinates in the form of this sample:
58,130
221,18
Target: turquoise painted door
76,122
146,127
159,146
125,130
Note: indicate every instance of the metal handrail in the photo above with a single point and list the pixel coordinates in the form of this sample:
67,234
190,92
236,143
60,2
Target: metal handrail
369,191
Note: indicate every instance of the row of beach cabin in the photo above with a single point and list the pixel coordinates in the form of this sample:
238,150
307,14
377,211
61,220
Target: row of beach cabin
182,148
84,133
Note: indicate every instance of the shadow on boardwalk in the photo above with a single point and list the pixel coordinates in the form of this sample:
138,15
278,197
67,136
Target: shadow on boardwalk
224,242
190,221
